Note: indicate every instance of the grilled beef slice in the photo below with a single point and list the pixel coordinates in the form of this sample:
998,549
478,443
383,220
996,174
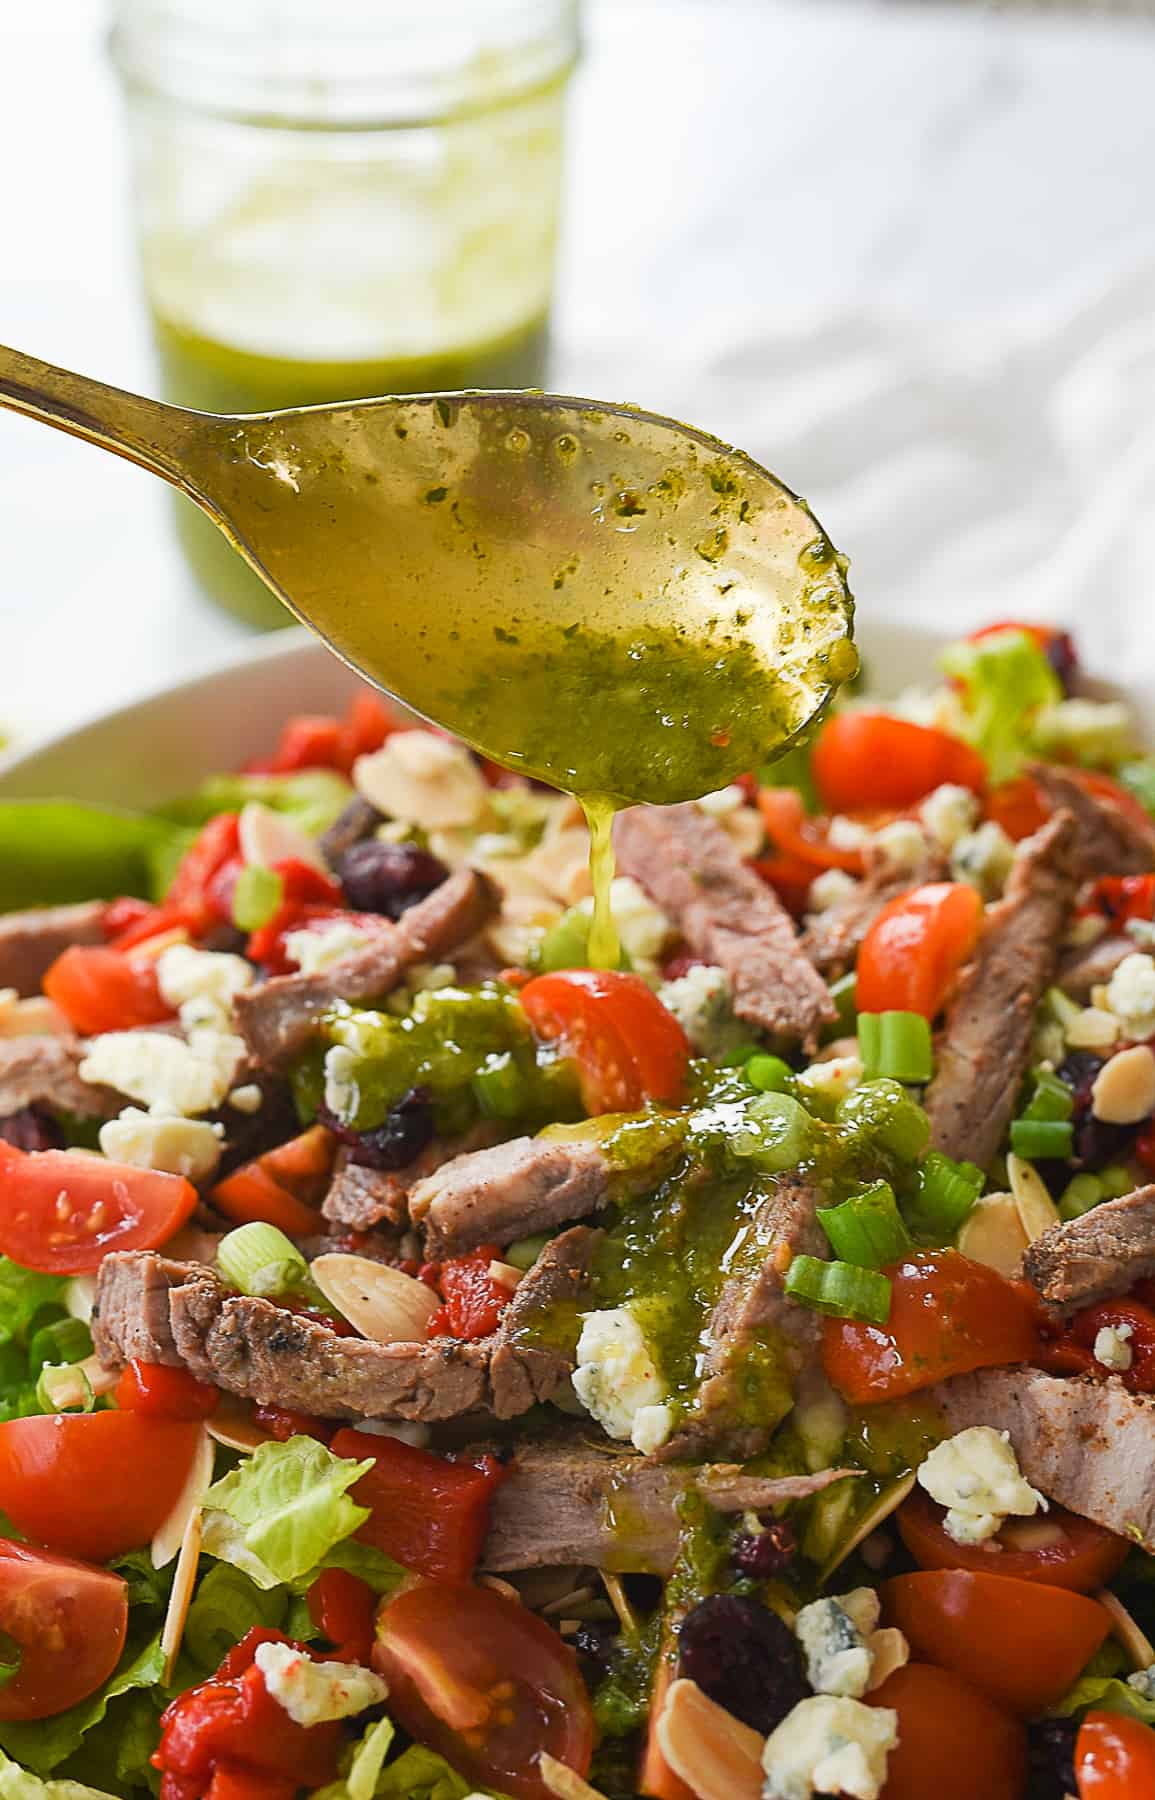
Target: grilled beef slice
31,941
1107,840
1103,1253
983,1051
360,1197
1088,1444
516,1189
832,939
44,1070
278,1018
754,1321
689,866
265,1353
564,1501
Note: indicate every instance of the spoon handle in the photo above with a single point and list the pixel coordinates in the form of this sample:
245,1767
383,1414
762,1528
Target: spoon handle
160,438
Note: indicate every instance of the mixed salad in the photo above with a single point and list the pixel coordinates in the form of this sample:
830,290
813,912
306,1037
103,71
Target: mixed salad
432,1367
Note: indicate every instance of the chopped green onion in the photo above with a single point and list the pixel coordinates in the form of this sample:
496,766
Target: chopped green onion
867,1230
844,993
1035,1138
1116,1181
565,943
525,1252
881,1114
1081,1193
500,1087
947,1190
1061,1007
896,1045
259,1259
64,1341
839,1289
739,1056
64,1387
769,1074
1138,778
776,1134
257,897
1052,1098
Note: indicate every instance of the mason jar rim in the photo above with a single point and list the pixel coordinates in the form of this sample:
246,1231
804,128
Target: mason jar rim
343,64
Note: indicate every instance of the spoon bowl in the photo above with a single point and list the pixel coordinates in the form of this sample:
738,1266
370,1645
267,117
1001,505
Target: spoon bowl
590,594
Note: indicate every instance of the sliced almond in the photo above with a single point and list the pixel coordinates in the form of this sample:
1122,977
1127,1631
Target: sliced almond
620,1602
154,947
993,1234
566,1783
268,837
383,1304
889,1501
1126,1632
889,1651
233,1426
170,1534
180,1599
424,779
36,1016
717,1756
505,1275
1037,1211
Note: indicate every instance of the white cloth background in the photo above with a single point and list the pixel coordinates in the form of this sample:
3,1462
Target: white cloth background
906,256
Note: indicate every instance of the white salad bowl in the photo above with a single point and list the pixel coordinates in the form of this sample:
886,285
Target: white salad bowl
147,752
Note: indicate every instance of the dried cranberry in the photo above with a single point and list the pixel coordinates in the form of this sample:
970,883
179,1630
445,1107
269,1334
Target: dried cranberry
249,1134
593,1641
1051,1751
32,1129
406,1132
744,1657
1064,659
1079,1071
764,1554
377,877
1098,1143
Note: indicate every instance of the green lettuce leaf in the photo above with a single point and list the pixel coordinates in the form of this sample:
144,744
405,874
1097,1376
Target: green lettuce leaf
314,798
43,1744
421,1774
18,1784
227,1603
34,1329
1006,679
280,1512
56,851
1108,1693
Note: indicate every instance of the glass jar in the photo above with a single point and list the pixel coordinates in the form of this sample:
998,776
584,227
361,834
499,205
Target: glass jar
341,198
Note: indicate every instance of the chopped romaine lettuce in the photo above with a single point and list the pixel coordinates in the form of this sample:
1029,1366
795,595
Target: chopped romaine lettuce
314,798
43,1744
56,851
18,1784
1006,680
283,1510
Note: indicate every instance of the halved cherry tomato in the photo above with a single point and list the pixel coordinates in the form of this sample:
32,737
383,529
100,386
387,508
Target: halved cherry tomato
163,1393
797,836
627,1046
473,1300
61,1212
191,891
1022,1643
948,1314
428,1513
487,1683
871,759
1060,1549
283,1187
953,1743
1115,1758
916,947
1018,807
343,1609
69,1621
100,989
93,1484
1085,1327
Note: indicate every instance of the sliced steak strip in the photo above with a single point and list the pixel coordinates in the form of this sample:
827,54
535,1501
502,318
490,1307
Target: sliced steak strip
30,942
267,1354
755,1326
278,1018
1081,970
43,1070
1107,840
832,939
516,1189
524,1366
566,1502
1105,1252
983,1051
689,866
1088,1444
360,1198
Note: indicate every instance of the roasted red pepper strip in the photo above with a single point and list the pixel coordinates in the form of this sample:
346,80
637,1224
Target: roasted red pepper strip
474,1301
427,1513
306,893
320,741
100,989
283,1424
191,891
1122,897
343,1608
161,1392
233,1720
